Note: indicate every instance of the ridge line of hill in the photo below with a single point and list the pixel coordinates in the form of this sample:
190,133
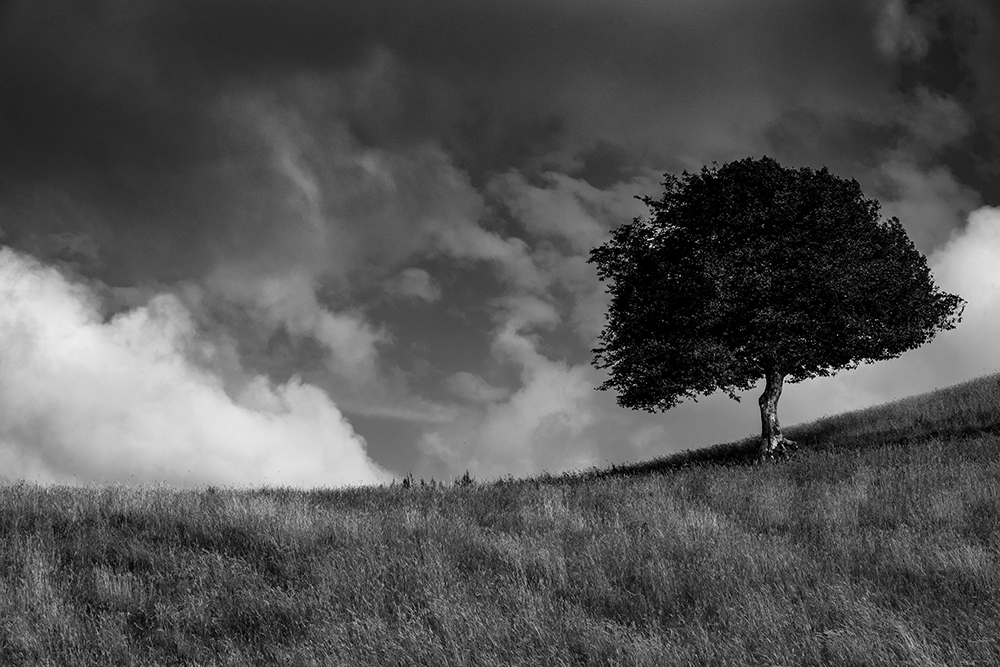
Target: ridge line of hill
946,413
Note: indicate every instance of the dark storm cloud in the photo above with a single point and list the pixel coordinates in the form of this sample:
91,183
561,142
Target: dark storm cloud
88,120
960,49
122,106
114,82
495,81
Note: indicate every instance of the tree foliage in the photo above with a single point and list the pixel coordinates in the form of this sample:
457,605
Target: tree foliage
752,269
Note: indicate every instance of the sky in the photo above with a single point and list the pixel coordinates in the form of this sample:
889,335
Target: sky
314,243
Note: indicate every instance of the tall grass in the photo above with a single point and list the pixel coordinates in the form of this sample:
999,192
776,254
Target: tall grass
878,544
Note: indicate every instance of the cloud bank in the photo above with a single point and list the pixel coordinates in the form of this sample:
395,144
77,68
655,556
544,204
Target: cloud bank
88,399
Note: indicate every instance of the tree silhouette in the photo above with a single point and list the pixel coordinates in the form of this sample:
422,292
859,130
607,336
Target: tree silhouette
755,271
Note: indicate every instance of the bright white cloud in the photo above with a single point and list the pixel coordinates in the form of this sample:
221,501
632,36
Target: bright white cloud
83,400
968,266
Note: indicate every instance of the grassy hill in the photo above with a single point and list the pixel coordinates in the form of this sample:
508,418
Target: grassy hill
878,544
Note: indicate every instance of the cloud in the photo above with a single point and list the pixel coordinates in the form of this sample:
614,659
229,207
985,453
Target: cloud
83,399
537,427
414,283
348,210
575,216
557,209
935,120
967,265
556,421
290,301
471,387
930,202
494,84
900,34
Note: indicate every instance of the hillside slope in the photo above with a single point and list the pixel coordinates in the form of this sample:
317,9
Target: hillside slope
968,409
878,544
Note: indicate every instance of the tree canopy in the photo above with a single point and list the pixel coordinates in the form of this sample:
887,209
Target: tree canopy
753,270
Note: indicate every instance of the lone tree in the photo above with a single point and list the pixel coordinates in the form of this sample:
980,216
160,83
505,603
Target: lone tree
753,270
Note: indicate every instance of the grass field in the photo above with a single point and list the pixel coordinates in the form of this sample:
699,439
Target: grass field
878,544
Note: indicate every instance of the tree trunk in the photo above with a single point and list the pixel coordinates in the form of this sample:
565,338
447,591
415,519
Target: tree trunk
773,445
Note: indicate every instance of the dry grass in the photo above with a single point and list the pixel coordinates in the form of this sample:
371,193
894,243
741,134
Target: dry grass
879,544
